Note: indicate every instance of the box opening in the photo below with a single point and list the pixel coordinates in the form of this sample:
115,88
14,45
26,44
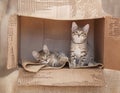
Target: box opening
56,34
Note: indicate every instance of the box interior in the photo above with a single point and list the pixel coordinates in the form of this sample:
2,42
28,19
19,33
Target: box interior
56,34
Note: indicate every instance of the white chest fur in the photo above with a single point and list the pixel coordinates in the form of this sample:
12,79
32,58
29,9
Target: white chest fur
78,48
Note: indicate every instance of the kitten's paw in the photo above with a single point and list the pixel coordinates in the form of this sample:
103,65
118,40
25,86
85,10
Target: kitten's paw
83,64
91,64
72,64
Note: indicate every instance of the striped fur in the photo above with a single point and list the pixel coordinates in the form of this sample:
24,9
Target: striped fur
53,59
80,54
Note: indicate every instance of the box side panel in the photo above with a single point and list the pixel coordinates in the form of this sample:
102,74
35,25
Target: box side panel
99,39
41,89
12,54
112,43
31,37
62,77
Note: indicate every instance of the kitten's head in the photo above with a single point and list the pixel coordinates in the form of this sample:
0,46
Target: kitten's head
42,55
79,35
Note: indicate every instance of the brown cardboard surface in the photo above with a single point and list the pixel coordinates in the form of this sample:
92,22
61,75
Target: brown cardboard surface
112,43
112,79
12,36
62,77
99,39
57,35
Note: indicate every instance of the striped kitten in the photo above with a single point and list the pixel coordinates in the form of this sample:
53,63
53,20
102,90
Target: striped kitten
53,59
81,54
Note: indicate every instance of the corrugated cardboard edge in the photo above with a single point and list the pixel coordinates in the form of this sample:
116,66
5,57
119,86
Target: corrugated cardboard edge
62,77
12,54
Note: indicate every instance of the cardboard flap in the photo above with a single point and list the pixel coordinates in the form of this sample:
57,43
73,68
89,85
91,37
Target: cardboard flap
12,53
61,9
112,43
62,77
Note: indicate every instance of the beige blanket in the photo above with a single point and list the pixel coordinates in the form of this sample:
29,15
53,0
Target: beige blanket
35,66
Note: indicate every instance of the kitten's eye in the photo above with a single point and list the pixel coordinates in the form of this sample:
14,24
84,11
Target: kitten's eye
76,33
84,35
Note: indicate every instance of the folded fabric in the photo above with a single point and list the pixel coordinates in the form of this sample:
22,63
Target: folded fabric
35,66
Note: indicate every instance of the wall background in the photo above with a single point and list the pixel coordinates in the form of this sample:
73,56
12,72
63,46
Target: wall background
112,7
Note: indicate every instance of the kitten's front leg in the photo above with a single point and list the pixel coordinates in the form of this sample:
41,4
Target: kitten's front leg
73,61
83,59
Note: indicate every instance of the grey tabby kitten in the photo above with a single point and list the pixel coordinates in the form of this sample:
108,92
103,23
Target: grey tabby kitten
81,54
53,59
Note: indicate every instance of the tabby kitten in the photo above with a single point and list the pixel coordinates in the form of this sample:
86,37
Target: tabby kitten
53,59
81,54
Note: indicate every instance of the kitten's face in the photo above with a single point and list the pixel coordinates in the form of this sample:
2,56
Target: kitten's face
79,35
42,55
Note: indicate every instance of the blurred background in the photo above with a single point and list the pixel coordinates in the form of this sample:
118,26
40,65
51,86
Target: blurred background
112,7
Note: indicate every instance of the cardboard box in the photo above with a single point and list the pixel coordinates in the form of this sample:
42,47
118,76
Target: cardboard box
104,33
32,27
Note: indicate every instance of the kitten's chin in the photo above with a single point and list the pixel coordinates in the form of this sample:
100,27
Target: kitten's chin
77,42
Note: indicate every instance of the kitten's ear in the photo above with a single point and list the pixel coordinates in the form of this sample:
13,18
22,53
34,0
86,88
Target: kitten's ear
86,28
74,26
35,55
45,49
